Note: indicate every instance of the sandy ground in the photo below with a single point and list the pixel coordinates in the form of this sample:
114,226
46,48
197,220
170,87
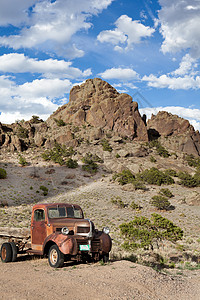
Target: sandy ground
35,279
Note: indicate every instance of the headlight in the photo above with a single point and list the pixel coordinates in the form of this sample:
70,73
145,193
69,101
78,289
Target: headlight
106,230
65,230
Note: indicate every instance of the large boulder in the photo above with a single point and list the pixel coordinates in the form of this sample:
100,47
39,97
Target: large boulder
177,133
98,104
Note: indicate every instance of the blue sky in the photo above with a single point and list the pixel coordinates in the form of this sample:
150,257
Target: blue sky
151,48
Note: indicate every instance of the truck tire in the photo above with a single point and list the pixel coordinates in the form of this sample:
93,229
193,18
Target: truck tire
55,257
6,253
14,251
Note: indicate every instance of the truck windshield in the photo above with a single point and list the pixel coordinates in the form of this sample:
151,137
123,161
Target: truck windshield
65,212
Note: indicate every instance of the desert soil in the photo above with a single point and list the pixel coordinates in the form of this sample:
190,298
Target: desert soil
34,279
119,279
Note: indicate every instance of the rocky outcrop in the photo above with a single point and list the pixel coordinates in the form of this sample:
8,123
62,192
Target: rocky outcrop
177,132
98,104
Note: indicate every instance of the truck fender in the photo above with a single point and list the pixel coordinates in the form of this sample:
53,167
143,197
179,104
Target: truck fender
106,242
65,243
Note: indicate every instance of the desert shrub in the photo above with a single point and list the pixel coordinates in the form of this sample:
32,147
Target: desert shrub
89,156
89,165
166,192
155,176
171,172
22,132
22,161
71,163
58,153
118,201
59,122
152,159
117,155
159,148
3,173
106,146
192,161
188,180
142,232
139,185
160,202
126,176
35,120
44,189
135,206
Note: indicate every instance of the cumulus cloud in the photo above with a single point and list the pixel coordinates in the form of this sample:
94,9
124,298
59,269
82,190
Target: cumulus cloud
120,74
36,97
174,83
193,115
127,32
19,63
179,25
187,65
49,24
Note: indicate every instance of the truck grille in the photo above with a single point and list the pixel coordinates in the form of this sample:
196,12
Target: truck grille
83,229
96,245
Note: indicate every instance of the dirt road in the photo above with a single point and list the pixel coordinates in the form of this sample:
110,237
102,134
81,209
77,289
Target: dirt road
34,279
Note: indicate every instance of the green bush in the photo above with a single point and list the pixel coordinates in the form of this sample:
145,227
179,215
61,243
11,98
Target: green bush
189,180
106,146
22,161
160,202
118,201
192,161
70,163
3,173
126,176
36,120
44,189
142,232
155,176
58,153
59,122
166,192
159,148
135,206
22,132
152,159
171,172
89,156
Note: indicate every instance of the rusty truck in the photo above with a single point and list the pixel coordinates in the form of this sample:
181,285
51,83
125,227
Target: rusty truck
60,232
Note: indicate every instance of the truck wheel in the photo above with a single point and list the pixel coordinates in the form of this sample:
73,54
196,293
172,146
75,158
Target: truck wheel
6,252
105,258
56,257
14,251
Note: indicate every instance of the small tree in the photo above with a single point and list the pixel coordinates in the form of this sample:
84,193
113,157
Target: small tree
22,161
142,232
3,173
160,202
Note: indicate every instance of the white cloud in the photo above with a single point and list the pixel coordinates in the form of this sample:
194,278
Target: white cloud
36,97
179,25
192,115
19,63
15,12
186,66
51,25
173,83
127,32
119,73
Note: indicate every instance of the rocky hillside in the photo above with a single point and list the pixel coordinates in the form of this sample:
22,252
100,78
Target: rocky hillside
96,110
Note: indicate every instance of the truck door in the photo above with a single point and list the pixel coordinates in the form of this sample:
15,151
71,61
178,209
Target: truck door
38,230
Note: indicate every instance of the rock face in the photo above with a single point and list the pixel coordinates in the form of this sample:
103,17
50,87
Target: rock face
177,132
98,104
